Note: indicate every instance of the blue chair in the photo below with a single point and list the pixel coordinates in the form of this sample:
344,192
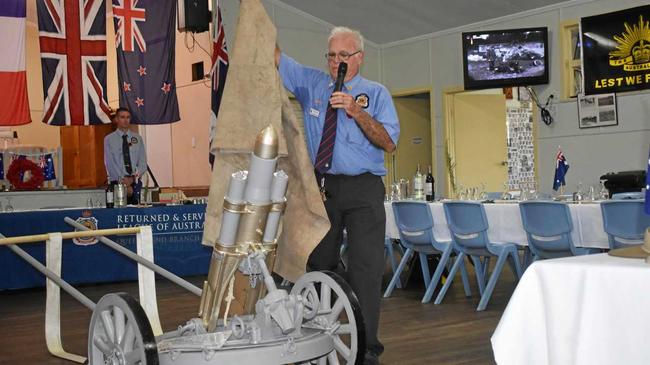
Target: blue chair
548,227
468,225
628,195
415,225
625,222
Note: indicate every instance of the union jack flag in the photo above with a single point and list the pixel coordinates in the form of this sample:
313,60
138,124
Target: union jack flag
127,14
72,36
218,72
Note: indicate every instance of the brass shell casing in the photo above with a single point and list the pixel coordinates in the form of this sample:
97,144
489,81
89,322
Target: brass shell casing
252,224
225,260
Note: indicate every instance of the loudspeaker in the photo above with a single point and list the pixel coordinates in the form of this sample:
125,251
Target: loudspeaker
197,71
193,16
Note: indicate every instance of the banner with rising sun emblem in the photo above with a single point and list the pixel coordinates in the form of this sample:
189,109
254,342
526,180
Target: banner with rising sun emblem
616,51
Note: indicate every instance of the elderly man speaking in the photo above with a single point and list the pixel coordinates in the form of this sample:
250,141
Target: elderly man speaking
347,133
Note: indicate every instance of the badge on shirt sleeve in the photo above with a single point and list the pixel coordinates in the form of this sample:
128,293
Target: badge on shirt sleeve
134,140
362,100
314,112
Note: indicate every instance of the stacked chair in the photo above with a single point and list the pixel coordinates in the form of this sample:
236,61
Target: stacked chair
468,225
415,226
625,222
548,227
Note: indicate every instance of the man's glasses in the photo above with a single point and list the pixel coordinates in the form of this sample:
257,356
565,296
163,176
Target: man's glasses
343,56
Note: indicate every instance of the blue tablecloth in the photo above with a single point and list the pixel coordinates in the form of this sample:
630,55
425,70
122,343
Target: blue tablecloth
177,232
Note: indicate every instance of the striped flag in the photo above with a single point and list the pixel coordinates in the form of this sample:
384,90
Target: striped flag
218,71
72,37
14,108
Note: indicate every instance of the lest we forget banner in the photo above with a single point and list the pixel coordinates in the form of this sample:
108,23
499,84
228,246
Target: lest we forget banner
616,51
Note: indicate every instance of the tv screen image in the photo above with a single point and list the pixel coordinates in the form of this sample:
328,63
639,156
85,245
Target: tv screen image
513,57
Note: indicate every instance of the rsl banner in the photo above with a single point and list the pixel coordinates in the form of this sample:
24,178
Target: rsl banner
177,232
616,51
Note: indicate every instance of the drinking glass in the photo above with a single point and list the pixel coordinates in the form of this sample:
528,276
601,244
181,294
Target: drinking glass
591,195
523,195
460,192
9,208
603,194
506,191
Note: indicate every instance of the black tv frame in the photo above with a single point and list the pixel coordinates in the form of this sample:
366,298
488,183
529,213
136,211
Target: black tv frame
471,84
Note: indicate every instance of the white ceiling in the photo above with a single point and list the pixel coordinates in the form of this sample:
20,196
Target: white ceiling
384,21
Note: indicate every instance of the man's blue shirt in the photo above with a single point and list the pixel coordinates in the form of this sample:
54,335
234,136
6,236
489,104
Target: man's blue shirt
353,154
114,159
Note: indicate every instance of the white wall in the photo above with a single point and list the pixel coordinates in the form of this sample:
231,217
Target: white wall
590,152
301,36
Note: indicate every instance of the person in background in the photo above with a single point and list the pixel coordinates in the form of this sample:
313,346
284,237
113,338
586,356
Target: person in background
347,134
125,155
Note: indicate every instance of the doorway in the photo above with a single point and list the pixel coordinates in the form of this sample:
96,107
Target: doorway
415,142
489,140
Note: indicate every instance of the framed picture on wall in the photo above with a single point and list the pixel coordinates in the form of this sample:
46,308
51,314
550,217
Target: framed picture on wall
597,110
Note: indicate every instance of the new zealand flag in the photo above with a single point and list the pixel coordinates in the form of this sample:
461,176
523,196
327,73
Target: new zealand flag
145,40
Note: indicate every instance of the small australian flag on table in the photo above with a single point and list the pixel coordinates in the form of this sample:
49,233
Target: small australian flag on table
561,168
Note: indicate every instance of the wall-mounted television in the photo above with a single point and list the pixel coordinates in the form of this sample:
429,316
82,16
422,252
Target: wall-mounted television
501,58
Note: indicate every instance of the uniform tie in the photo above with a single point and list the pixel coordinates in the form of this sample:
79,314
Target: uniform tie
126,154
326,147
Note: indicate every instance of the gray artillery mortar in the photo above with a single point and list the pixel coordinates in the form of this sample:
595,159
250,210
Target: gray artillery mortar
319,321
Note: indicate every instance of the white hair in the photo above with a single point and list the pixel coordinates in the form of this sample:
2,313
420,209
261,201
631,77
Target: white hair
337,31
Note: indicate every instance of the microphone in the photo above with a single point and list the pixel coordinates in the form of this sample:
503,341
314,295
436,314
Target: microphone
340,76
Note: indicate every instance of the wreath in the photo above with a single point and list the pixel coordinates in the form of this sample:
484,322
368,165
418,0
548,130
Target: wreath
17,171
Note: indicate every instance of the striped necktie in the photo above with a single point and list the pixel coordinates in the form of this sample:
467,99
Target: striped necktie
326,147
126,154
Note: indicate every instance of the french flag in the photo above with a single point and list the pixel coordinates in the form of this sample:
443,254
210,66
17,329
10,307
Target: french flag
14,108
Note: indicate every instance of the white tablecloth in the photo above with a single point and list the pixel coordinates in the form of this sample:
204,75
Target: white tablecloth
505,224
587,310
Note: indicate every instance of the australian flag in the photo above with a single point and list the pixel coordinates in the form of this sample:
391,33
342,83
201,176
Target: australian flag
72,37
145,40
218,71
46,163
561,168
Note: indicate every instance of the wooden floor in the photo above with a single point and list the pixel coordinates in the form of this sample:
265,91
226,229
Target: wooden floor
413,333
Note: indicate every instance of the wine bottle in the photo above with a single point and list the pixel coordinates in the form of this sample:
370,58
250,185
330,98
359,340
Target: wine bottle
428,187
109,196
418,185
